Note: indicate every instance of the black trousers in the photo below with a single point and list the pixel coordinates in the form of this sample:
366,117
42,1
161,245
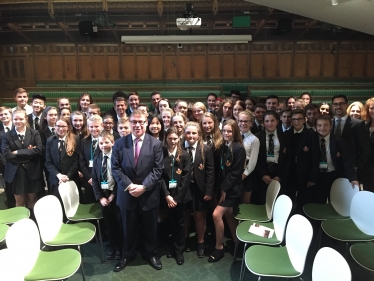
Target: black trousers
176,227
322,189
259,193
130,223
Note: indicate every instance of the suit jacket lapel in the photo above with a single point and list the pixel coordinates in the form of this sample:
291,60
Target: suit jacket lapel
346,124
99,164
15,139
130,150
167,163
54,149
145,143
27,139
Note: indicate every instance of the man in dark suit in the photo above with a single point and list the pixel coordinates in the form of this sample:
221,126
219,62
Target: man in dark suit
258,111
113,111
38,105
137,165
353,131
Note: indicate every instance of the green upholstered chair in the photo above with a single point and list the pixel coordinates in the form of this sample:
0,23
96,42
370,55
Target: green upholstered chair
282,210
363,254
330,265
12,215
76,212
358,228
23,259
53,232
287,261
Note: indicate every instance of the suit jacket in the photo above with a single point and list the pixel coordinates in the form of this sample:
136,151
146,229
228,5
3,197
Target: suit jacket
283,159
2,163
30,157
2,133
357,139
367,126
147,172
307,152
96,178
203,170
232,169
67,165
342,158
116,134
85,157
181,174
255,129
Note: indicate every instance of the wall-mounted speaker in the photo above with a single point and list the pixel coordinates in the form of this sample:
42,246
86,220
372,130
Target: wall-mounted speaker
285,25
85,28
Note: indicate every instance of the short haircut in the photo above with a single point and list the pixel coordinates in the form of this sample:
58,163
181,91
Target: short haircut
138,112
95,118
272,97
235,92
108,116
106,134
287,109
39,97
259,105
94,106
5,108
298,111
143,104
132,93
211,94
119,94
323,117
247,113
310,106
122,121
306,93
119,99
155,93
340,96
273,113
20,90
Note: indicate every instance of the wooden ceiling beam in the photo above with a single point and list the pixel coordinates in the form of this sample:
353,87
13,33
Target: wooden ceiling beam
310,25
64,28
263,22
15,29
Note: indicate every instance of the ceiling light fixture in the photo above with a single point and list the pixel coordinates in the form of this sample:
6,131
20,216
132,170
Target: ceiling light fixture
334,2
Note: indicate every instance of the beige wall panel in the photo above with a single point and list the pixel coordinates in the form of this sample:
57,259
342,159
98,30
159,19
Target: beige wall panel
328,65
242,65
128,67
199,67
155,67
370,65
300,65
358,65
345,63
113,68
271,61
42,67
142,67
184,65
56,67
85,67
228,66
285,63
100,67
170,67
257,65
314,65
214,66
70,67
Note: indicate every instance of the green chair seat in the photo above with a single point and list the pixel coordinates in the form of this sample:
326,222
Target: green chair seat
87,212
243,235
270,261
344,230
73,234
322,212
3,230
252,212
13,215
55,265
363,254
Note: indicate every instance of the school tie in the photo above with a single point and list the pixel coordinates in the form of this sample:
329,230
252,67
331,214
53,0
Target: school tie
190,150
209,141
94,143
21,138
36,123
104,169
137,151
338,129
60,147
53,131
260,127
7,129
243,136
271,145
323,156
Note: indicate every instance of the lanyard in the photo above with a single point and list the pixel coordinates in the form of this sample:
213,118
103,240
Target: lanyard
93,151
227,158
172,168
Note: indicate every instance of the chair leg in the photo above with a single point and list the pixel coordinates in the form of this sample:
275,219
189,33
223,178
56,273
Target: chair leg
101,242
83,275
318,239
346,250
236,247
242,267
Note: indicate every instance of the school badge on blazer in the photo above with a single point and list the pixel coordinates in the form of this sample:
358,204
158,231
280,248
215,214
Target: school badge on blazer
69,153
201,167
306,149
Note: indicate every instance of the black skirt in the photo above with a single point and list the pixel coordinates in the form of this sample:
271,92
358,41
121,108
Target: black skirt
22,185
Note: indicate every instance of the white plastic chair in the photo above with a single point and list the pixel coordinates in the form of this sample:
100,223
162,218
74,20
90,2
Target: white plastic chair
329,265
271,194
341,196
362,210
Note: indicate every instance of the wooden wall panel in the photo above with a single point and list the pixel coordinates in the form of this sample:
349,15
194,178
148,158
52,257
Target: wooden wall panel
358,65
42,67
315,65
170,67
142,67
113,68
128,67
271,65
228,66
328,65
285,65
155,67
199,67
241,65
257,65
56,67
370,65
344,65
300,65
99,67
70,67
184,67
214,66
85,67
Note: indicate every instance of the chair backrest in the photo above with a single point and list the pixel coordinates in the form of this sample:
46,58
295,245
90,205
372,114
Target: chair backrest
23,242
362,210
48,213
330,265
70,197
282,210
271,195
299,234
341,196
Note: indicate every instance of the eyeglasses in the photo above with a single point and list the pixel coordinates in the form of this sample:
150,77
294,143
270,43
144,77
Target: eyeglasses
298,119
244,121
57,126
336,104
133,122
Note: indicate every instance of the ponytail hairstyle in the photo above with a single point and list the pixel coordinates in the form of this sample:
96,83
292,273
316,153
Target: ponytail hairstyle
170,131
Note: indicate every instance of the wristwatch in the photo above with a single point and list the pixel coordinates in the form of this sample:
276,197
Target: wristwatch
146,189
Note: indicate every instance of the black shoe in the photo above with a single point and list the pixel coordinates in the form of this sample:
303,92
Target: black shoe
216,255
155,263
180,259
122,264
200,250
118,255
188,245
170,254
110,255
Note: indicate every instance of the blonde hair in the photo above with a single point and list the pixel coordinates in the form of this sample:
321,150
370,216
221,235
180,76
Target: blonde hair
216,134
367,105
200,141
362,109
95,118
106,134
70,143
23,112
20,90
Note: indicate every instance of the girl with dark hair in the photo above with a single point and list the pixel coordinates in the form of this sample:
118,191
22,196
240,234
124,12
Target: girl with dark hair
249,103
239,106
49,118
79,122
290,102
84,101
156,127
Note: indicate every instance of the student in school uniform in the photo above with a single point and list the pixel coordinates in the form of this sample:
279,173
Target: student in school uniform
49,119
111,126
79,123
105,189
22,148
176,178
273,157
335,160
227,108
258,124
38,105
62,156
89,149
202,181
232,161
84,101
155,127
123,127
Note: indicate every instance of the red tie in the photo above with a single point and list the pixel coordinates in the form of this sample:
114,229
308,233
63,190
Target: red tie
137,151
